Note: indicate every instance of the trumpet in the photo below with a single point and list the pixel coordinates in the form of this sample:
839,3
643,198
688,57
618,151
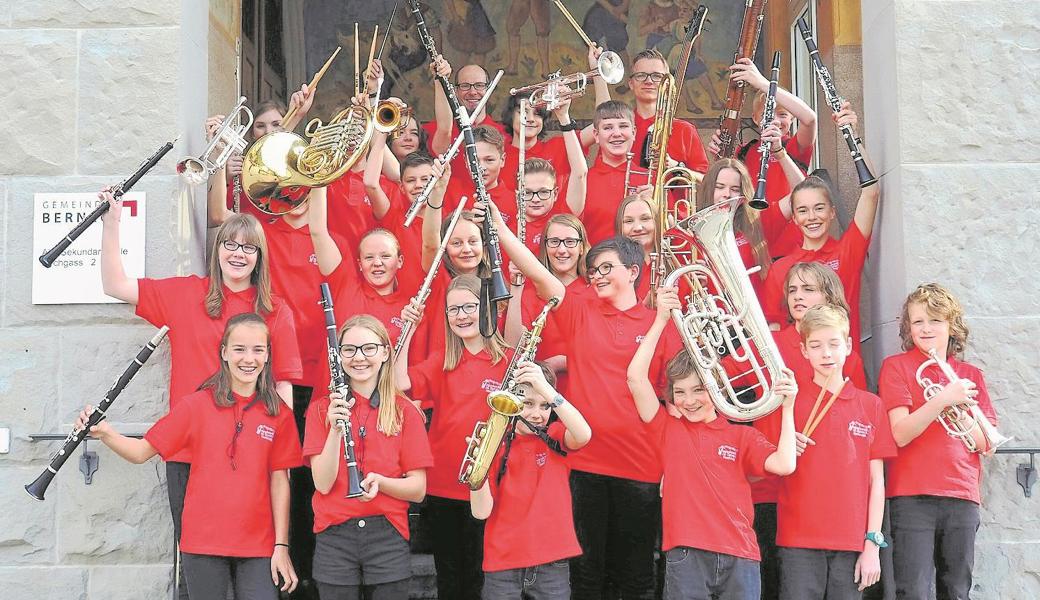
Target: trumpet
959,421
556,89
228,139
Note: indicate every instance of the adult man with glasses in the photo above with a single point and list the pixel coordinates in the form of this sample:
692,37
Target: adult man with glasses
649,69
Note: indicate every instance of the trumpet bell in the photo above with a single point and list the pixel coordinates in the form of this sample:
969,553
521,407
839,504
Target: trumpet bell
388,117
193,171
269,178
611,68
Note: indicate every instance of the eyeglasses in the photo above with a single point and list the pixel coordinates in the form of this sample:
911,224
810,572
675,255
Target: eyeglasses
602,270
642,76
367,350
568,242
465,87
543,194
468,308
232,246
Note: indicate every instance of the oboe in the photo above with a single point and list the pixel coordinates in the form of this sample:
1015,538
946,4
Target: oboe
493,288
38,487
424,291
768,113
338,382
729,123
48,257
835,101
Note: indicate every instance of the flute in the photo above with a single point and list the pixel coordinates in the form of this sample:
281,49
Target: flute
768,113
521,192
835,101
38,487
424,290
47,258
338,382
424,195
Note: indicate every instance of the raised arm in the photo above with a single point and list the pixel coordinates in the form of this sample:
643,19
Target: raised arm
578,431
577,183
746,71
302,100
602,91
114,281
782,460
325,248
373,168
431,224
639,384
441,140
792,171
866,208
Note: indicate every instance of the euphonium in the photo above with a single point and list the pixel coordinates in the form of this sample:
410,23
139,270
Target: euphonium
280,168
506,404
723,317
958,421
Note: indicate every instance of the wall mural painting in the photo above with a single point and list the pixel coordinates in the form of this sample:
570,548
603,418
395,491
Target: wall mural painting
527,39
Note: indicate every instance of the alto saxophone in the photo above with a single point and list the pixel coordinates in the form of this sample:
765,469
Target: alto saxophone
506,404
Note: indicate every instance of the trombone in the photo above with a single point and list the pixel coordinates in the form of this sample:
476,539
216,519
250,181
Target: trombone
227,140
556,89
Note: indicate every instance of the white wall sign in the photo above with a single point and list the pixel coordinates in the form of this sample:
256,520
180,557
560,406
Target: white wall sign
75,277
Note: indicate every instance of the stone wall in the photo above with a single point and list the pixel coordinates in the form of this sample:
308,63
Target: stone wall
90,90
951,94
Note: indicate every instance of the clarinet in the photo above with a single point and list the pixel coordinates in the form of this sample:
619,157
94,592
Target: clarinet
834,101
493,288
38,487
424,291
338,383
47,258
729,123
768,113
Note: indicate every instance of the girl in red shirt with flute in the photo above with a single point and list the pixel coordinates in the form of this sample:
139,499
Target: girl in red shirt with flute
362,543
243,441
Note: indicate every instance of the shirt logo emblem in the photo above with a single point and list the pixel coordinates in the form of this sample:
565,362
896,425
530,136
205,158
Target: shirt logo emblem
860,429
313,259
540,458
265,432
397,322
537,239
640,338
833,264
490,385
728,453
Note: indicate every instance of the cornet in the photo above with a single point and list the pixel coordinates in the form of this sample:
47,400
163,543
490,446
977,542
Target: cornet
959,421
227,140
556,90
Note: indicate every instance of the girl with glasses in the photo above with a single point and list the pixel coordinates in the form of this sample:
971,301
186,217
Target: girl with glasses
197,309
242,441
362,543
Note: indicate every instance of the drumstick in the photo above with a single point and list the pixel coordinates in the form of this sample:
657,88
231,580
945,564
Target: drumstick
819,399
314,82
386,35
810,428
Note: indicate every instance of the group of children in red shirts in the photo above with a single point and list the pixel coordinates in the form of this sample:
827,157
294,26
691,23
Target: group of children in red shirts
619,451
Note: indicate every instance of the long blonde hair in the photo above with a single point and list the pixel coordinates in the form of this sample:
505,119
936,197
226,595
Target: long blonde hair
574,223
746,220
390,414
249,228
220,382
453,346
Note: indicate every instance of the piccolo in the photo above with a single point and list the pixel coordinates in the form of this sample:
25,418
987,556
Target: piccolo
38,487
424,290
338,382
427,191
47,258
835,101
768,113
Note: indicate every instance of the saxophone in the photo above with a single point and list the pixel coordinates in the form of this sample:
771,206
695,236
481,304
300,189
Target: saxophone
506,404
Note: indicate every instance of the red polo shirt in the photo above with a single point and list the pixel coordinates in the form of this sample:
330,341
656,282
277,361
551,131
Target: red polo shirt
707,465
600,341
534,499
845,257
409,238
459,169
915,471
553,342
605,191
350,211
179,302
389,455
552,149
459,400
782,235
684,144
823,504
503,195
227,507
295,277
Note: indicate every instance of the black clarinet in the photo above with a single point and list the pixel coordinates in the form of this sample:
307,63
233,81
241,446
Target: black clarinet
493,288
47,258
834,101
338,382
38,487
759,202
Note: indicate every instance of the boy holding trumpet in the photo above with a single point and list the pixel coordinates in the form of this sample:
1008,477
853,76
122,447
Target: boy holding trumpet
829,511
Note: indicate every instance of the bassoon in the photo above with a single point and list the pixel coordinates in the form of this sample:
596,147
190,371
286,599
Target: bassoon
38,487
729,123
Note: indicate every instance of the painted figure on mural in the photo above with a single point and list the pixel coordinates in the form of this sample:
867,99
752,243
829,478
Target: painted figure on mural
696,69
470,31
606,23
538,10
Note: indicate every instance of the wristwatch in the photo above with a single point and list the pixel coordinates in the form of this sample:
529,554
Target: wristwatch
572,126
557,400
877,538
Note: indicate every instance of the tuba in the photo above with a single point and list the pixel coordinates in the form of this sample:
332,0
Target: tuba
722,325
506,404
958,421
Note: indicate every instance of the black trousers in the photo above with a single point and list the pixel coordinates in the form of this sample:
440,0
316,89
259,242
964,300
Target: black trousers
301,511
617,522
765,531
933,543
808,574
176,487
458,547
208,577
